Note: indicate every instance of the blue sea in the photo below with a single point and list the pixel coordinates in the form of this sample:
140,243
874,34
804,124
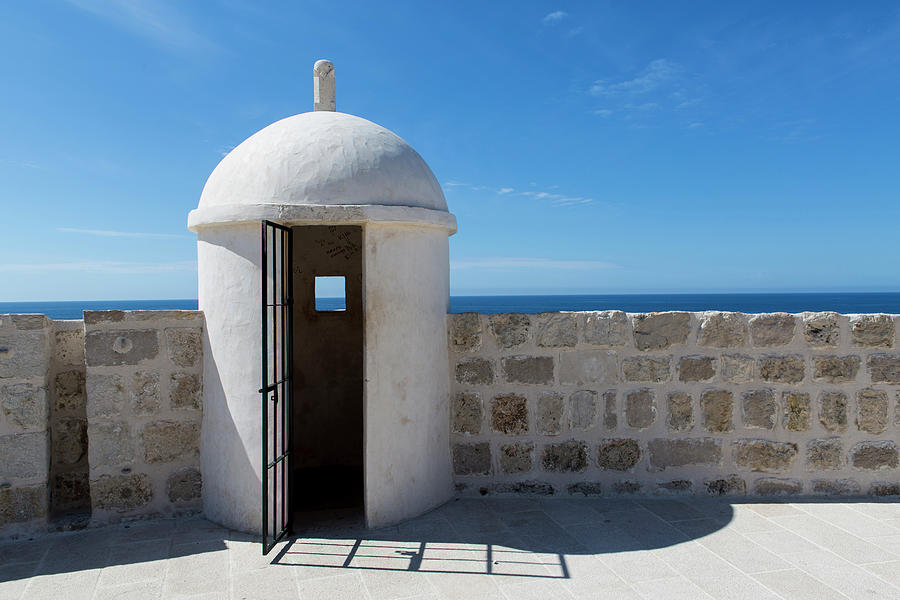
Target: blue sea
842,302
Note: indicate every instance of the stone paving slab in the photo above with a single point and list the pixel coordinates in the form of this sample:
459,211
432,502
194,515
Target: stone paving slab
503,548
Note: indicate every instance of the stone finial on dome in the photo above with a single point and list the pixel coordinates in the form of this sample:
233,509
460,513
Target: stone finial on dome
323,86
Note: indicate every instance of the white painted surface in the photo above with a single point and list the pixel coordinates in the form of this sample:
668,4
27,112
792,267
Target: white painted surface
323,85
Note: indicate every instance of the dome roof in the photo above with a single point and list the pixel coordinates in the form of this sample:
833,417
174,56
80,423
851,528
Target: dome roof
323,158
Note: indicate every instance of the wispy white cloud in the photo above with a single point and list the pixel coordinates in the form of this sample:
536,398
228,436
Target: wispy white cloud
603,112
554,17
555,198
657,74
511,262
105,266
25,164
128,234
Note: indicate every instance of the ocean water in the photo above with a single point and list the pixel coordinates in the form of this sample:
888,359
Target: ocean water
856,302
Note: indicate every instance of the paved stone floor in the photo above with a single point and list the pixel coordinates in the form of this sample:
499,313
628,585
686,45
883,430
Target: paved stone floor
513,548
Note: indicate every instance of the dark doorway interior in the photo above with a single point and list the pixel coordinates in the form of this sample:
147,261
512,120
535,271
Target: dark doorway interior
328,376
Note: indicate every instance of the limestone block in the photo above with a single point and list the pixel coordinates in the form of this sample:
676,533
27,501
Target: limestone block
731,485
874,456
71,490
145,393
652,369
640,408
24,354
585,488
184,391
833,411
772,486
680,411
722,330
822,329
22,504
24,455
627,487
30,322
676,486
717,410
510,330
584,367
70,442
657,331
120,347
70,395
528,369
775,329
557,330
472,459
796,410
737,368
872,410
550,413
565,457
696,368
184,485
475,371
764,455
872,330
666,453
524,488
25,406
606,328
825,454
167,315
583,410
835,487
465,332
185,346
618,454
121,493
168,441
884,488
758,409
782,369
68,347
509,414
110,444
95,317
610,415
884,368
105,395
835,369
467,413
516,457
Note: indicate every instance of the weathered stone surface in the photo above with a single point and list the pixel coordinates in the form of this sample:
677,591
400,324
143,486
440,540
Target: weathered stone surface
167,315
70,491
884,488
472,459
68,347
737,368
24,455
25,406
184,485
657,331
732,485
796,410
835,369
557,330
524,488
758,409
565,457
106,395
610,415
528,369
509,414
167,441
774,329
24,354
22,504
582,410
665,453
640,408
185,346
680,411
627,487
468,413
95,317
145,393
717,409
872,410
872,330
475,371
833,411
516,457
722,330
606,328
884,368
764,456
26,322
652,369
696,368
782,369
584,367
676,486
550,413
822,330
70,391
185,391
121,493
874,456
110,444
586,488
465,332
70,441
835,487
121,347
510,330
618,454
772,486
824,454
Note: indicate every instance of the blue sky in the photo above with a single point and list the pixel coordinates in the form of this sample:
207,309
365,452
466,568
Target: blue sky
585,147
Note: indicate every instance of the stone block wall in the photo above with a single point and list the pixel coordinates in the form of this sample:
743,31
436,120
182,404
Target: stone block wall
710,403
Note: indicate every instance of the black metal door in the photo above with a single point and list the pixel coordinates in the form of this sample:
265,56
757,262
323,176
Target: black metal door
277,388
